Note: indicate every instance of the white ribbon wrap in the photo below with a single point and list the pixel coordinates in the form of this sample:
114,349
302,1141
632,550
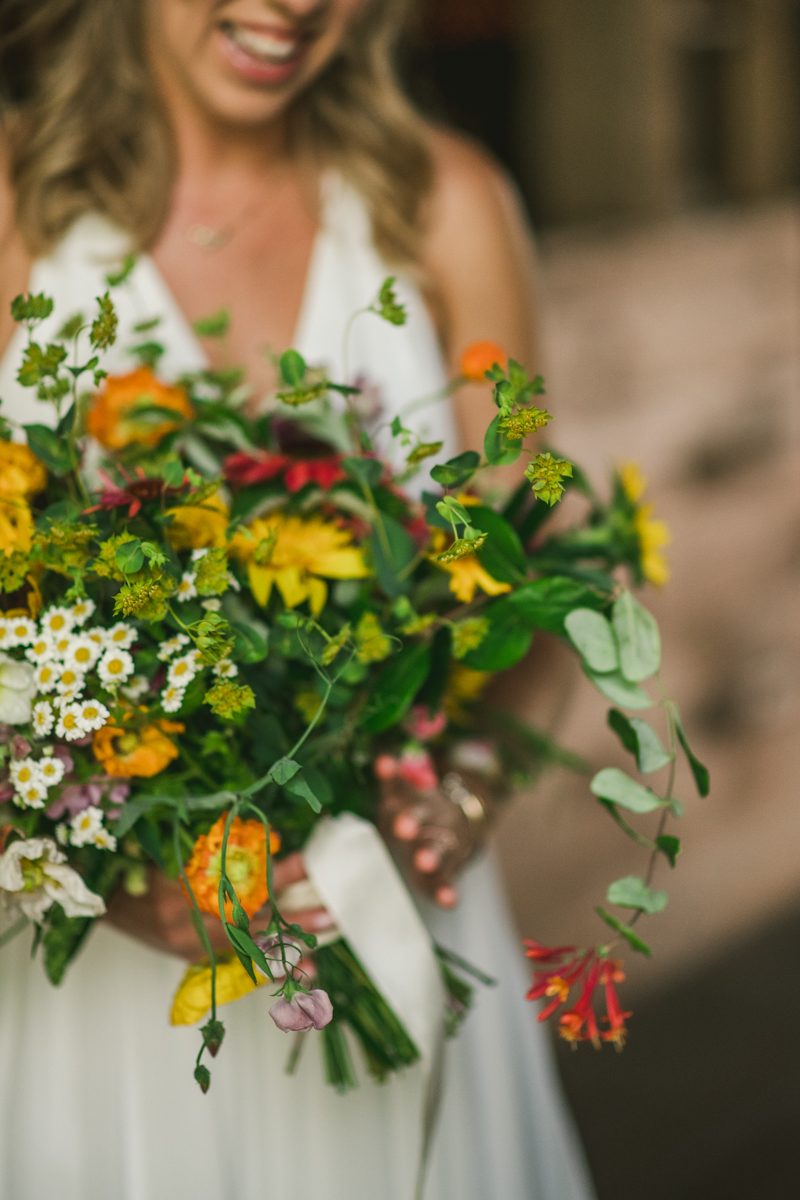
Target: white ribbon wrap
362,889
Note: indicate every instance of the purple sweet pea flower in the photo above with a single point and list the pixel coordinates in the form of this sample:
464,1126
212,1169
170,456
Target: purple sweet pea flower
305,1010
20,748
74,799
63,753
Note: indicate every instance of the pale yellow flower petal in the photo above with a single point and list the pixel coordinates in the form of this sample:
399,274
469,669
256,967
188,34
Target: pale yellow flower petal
193,997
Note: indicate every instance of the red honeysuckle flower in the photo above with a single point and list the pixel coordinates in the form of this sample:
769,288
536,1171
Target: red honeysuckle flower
610,973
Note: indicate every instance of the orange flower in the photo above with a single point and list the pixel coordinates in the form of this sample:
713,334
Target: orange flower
479,358
245,861
116,418
21,472
136,752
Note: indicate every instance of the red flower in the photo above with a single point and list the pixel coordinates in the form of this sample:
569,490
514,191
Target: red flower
325,472
133,494
243,470
568,967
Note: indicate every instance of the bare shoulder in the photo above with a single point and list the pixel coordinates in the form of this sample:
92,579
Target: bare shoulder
479,250
14,259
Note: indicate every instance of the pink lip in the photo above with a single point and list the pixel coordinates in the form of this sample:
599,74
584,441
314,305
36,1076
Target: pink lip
254,69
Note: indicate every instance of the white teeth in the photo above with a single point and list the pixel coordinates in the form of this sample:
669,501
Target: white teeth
263,45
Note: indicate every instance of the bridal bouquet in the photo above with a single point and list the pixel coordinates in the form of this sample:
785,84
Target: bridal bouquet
222,630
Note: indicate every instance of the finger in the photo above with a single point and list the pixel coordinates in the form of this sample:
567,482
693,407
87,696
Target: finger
426,860
446,897
312,920
289,870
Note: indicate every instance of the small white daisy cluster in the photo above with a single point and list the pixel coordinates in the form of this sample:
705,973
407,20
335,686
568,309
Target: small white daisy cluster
63,651
33,777
87,829
183,668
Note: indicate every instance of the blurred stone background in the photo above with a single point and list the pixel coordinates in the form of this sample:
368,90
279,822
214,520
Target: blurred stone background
657,146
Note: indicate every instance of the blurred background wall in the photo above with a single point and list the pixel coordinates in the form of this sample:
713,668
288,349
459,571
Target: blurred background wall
656,144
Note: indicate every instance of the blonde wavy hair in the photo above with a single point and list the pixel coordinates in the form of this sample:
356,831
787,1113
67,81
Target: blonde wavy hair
87,131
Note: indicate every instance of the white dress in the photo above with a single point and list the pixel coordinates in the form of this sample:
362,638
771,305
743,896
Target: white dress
97,1099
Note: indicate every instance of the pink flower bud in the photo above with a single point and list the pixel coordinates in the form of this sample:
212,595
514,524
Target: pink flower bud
417,769
422,726
305,1010
385,766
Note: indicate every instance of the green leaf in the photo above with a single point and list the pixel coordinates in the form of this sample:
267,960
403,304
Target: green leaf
203,1077
627,829
71,327
31,308
401,553
625,931
293,368
508,640
502,555
396,687
284,770
593,636
633,892
38,364
638,637
456,471
298,785
115,278
215,326
500,450
173,473
389,308
640,739
669,846
545,603
130,557
613,784
246,944
365,471
701,775
249,646
47,446
617,689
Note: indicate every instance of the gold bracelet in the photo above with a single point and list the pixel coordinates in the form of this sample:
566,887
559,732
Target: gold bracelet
470,804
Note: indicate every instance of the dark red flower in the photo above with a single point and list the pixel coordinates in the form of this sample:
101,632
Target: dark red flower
325,472
245,469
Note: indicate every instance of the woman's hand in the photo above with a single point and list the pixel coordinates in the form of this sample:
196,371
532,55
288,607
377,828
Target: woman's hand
434,831
162,918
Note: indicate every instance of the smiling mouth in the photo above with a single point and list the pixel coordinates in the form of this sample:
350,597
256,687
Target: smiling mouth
267,47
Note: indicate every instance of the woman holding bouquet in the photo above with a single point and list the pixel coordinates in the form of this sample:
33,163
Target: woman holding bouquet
262,158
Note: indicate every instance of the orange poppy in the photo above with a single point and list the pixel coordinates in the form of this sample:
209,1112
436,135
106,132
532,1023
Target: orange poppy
479,358
119,415
245,862
129,752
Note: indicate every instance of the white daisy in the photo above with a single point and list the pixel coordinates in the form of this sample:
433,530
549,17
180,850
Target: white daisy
105,840
52,771
186,589
70,680
93,714
86,826
57,621
198,554
41,649
82,653
135,688
225,669
32,795
114,667
212,605
120,636
96,634
82,610
61,644
172,646
172,698
23,630
42,718
23,772
6,637
67,696
70,723
46,676
182,670
62,834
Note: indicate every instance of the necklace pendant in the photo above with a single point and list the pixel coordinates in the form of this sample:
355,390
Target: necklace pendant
207,238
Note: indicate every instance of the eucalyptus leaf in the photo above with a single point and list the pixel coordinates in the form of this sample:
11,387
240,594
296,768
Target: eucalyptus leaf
618,689
633,892
638,638
625,931
613,784
593,637
640,739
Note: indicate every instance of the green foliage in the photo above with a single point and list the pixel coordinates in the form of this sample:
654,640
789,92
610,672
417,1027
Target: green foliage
640,739
499,448
458,471
638,638
507,640
616,688
614,785
215,326
51,449
669,846
103,332
39,364
396,687
366,472
228,699
388,307
546,475
30,310
122,275
701,775
592,635
545,603
633,892
632,938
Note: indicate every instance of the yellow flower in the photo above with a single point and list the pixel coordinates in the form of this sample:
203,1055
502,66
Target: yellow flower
464,686
193,997
197,526
299,551
21,472
16,524
653,535
466,574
